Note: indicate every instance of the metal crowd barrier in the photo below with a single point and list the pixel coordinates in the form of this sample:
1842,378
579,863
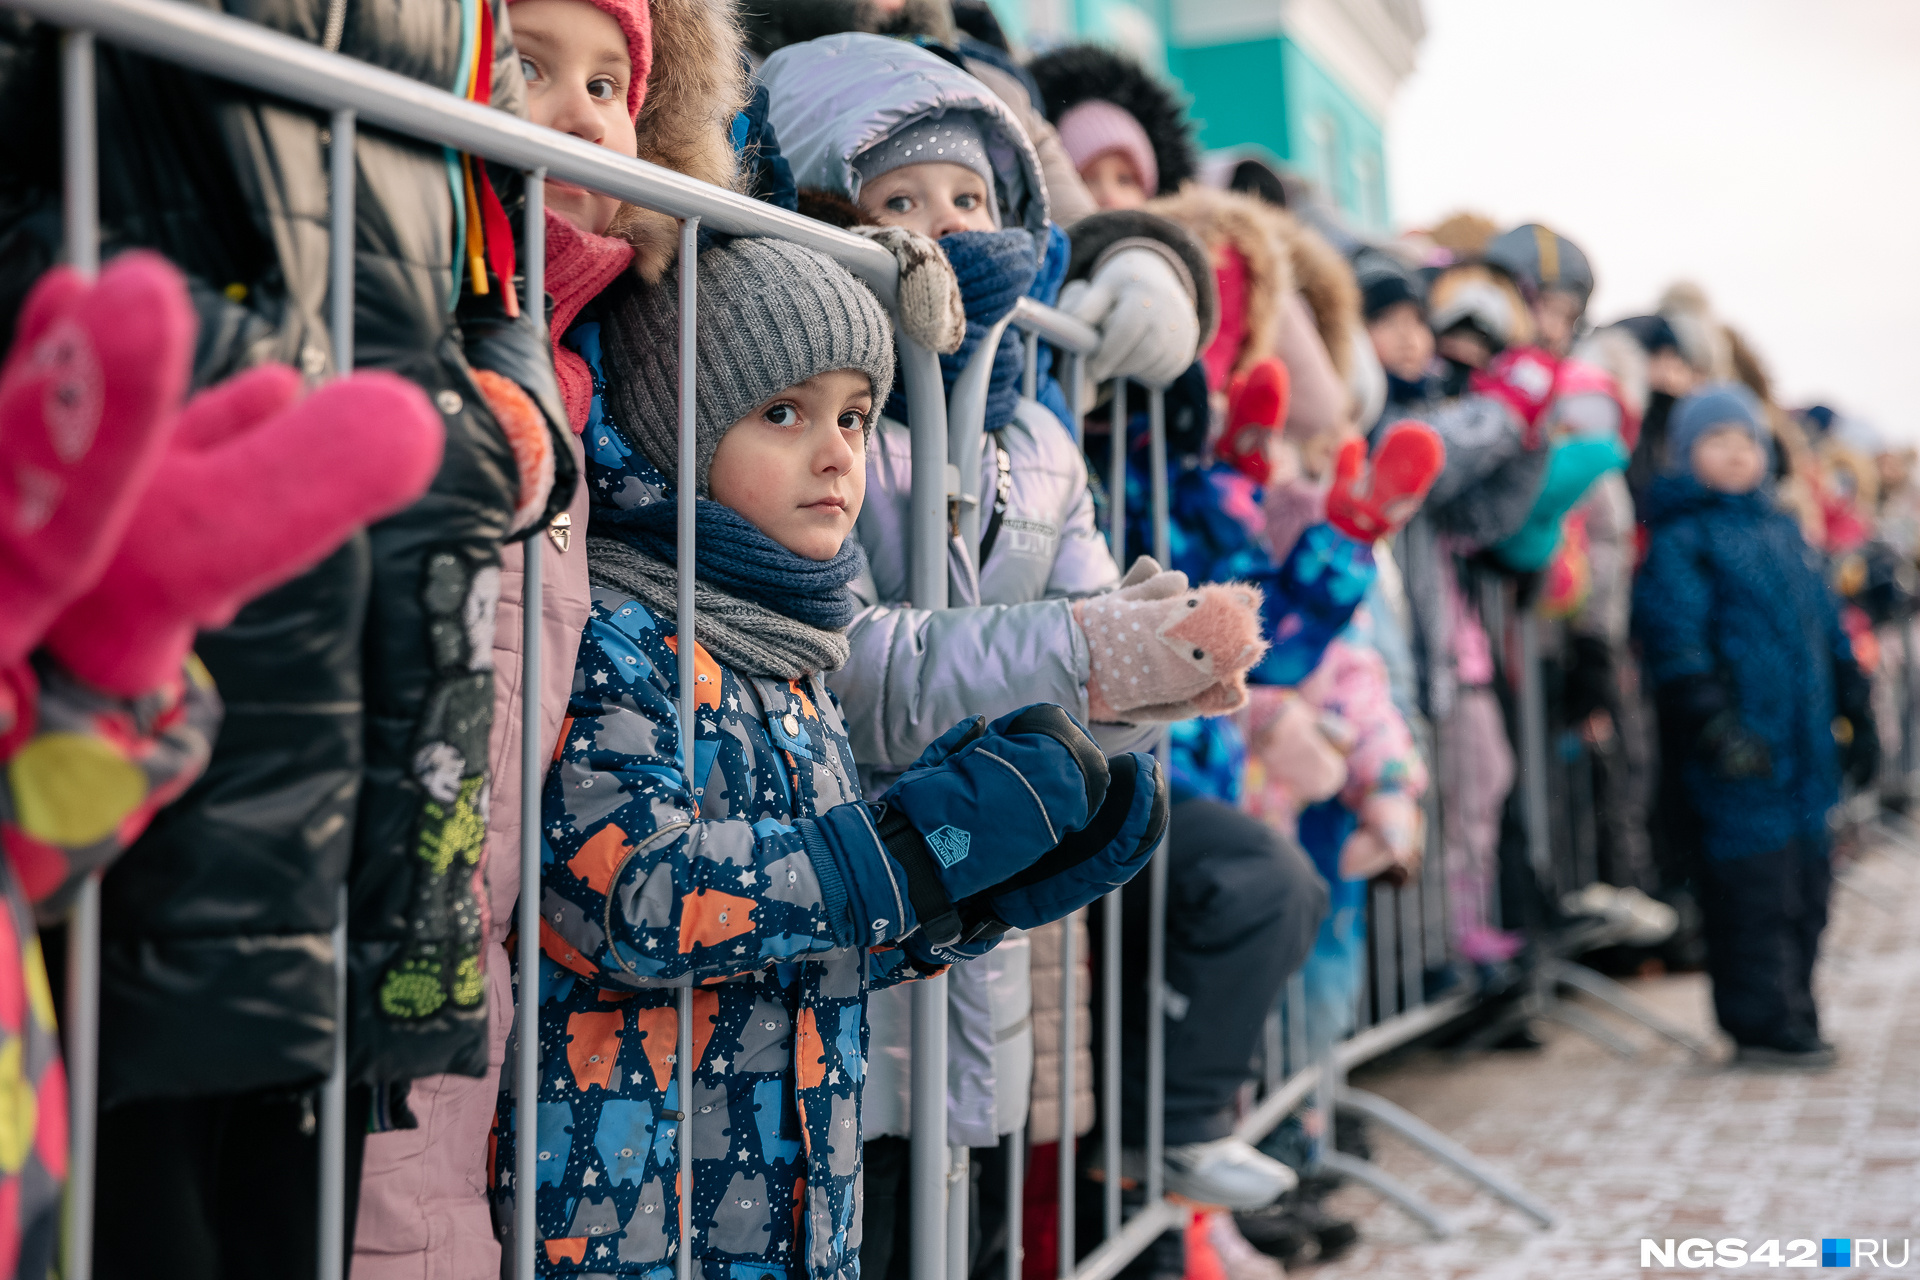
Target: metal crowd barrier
1408,926
354,92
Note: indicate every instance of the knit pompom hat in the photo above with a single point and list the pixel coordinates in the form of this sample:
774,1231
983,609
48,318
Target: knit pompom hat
636,23
771,315
1096,127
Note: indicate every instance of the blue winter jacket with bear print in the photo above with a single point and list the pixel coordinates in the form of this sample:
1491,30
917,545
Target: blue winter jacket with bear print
645,880
643,883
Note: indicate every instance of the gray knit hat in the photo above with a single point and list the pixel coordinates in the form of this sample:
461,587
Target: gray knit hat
771,314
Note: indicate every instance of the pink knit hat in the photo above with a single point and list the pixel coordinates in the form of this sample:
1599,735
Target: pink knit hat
1094,127
636,21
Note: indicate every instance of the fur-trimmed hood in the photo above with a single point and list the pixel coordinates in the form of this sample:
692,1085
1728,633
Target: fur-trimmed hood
830,99
1073,74
697,86
1225,218
774,24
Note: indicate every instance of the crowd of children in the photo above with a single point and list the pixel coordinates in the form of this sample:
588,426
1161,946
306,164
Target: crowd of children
1377,452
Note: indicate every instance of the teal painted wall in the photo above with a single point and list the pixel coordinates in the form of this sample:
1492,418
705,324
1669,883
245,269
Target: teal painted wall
1238,93
1333,140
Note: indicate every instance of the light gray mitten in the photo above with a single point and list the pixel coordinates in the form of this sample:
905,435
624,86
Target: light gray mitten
931,312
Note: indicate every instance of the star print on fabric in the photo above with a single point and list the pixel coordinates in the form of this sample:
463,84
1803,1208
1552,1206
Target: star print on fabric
591,1178
599,677
746,877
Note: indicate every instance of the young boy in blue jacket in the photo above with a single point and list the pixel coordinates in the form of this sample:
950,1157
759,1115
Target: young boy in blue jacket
1741,639
757,872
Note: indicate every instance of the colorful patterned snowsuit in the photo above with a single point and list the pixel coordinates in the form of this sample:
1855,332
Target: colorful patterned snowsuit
639,888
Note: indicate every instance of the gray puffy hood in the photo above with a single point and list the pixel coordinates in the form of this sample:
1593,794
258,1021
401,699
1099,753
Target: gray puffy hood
832,98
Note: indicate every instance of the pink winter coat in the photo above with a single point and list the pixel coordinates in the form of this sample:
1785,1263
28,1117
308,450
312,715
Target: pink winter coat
423,1192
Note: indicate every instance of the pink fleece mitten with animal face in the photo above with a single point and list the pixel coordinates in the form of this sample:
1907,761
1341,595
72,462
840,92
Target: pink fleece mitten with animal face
253,488
1163,651
87,398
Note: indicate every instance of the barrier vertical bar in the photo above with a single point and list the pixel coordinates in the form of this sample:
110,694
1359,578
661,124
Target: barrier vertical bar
1110,949
689,702
80,227
1406,905
1157,867
526,1064
1075,427
1533,744
341,174
959,1204
927,425
1030,375
1016,1147
1069,1084
1117,477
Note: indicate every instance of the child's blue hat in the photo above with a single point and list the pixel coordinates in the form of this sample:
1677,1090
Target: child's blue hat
1721,404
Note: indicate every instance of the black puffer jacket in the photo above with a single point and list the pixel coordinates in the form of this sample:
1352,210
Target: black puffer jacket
359,696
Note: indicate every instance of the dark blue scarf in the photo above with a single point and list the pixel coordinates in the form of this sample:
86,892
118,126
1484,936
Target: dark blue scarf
738,559
995,270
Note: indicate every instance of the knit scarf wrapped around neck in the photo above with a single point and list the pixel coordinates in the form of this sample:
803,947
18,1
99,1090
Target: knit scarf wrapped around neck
579,266
758,607
995,269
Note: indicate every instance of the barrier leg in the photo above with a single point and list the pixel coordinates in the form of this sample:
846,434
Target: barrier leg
1621,1001
1440,1147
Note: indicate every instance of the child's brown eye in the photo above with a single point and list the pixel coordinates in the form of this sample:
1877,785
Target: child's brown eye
782,415
853,420
602,88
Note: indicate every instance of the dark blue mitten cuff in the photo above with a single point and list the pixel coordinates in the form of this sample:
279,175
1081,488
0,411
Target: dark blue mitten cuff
861,887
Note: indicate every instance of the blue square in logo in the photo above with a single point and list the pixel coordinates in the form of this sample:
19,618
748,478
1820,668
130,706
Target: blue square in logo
1836,1253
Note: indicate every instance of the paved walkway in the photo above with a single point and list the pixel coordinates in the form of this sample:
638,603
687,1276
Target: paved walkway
1663,1147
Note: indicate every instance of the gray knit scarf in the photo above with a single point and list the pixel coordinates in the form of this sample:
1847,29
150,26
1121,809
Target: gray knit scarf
748,637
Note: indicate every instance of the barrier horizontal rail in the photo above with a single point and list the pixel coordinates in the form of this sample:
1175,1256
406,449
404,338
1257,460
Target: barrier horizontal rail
1076,337
284,67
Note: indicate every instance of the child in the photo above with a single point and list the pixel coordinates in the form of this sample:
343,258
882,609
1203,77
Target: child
759,874
1743,646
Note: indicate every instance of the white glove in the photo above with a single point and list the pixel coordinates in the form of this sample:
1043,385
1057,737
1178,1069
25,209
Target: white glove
1149,330
931,310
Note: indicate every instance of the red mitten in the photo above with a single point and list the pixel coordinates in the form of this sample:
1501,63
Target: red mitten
253,489
1522,378
87,397
1371,502
1162,651
1256,405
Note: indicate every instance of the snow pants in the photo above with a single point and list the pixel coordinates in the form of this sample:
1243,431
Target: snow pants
1764,915
1476,771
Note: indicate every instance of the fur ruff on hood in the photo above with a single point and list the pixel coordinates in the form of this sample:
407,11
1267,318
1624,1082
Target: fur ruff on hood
1257,230
1326,281
697,86
774,25
1073,74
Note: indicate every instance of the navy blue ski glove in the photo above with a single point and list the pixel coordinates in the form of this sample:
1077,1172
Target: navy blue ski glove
1091,863
982,804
